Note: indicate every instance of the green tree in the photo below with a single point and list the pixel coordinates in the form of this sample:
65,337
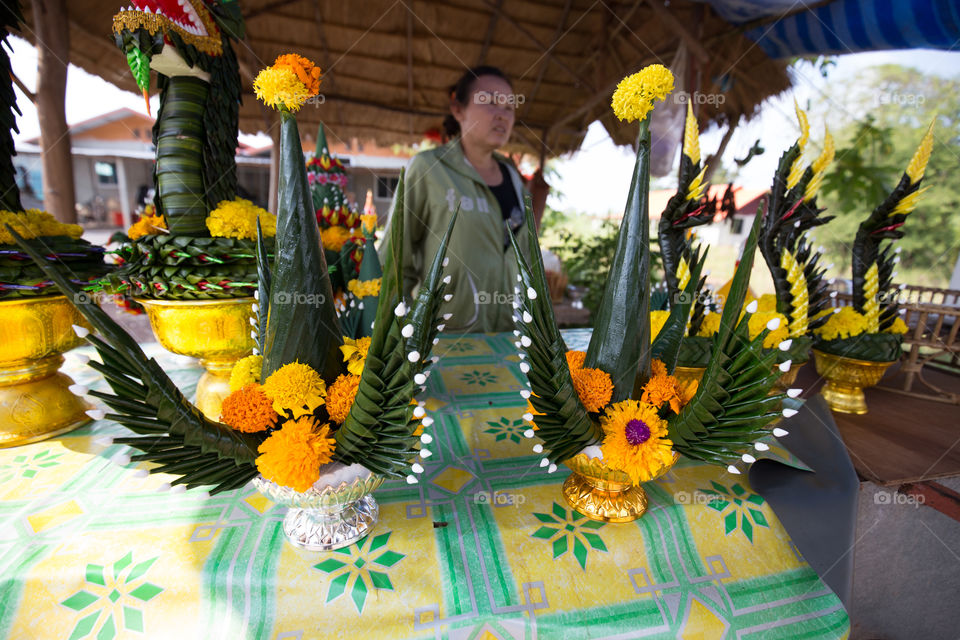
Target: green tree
882,118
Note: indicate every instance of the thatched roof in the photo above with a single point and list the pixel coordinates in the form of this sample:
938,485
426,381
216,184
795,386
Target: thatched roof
390,64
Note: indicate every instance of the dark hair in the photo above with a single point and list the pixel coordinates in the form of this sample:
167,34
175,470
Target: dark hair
460,92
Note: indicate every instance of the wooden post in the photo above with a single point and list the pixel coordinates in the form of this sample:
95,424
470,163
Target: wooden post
53,54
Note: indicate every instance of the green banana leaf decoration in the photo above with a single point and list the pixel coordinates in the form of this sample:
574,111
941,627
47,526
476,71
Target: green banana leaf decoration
379,430
874,258
729,411
620,344
794,263
733,405
170,431
684,211
302,324
565,426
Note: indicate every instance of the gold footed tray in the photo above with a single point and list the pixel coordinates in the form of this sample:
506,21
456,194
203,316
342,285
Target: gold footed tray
846,379
35,398
604,494
217,332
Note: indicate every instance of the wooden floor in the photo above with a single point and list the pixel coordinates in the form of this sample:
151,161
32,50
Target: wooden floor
902,439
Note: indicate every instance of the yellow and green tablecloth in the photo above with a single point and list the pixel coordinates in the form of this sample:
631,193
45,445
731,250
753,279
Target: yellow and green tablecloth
483,547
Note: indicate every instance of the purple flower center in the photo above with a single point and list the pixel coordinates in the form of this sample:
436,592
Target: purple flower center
637,432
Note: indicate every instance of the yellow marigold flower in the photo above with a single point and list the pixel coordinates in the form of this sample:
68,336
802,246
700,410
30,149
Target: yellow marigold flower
280,89
248,410
594,387
335,237
845,323
307,72
635,94
34,223
245,371
709,326
663,389
296,388
575,359
146,225
369,221
758,322
364,288
766,302
899,327
292,455
635,440
657,320
340,396
355,353
238,219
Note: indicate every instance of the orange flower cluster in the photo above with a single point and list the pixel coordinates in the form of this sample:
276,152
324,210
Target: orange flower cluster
594,386
293,454
307,72
248,409
340,396
665,390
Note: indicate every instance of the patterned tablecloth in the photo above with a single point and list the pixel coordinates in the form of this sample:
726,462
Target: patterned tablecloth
483,547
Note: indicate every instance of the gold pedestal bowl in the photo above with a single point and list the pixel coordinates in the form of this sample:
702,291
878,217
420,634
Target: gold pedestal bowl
846,379
35,398
217,332
604,494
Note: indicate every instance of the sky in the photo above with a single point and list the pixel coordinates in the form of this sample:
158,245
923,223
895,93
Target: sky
593,180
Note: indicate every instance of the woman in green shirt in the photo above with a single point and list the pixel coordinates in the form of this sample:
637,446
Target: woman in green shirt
467,172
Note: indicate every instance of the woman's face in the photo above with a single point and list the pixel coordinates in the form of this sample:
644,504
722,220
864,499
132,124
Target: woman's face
486,119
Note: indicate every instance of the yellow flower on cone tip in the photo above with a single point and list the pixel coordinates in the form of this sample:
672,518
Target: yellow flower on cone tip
635,440
293,454
245,371
280,89
635,94
691,136
369,221
355,353
918,163
295,388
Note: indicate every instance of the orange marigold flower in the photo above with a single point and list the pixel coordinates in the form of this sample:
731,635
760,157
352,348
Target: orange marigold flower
662,389
334,237
307,72
575,359
340,396
248,409
292,455
593,386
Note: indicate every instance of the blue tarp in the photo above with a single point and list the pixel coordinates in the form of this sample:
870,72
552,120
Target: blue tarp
845,26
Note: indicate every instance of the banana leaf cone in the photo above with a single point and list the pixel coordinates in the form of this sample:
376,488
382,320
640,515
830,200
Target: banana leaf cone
370,269
620,344
302,323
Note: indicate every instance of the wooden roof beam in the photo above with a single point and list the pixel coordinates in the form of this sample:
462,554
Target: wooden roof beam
673,24
545,62
488,38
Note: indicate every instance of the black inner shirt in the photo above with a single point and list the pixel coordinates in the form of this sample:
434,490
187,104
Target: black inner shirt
510,207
